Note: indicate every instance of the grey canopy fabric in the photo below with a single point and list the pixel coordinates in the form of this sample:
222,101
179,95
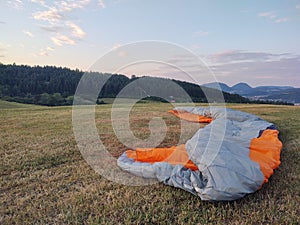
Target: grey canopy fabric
221,152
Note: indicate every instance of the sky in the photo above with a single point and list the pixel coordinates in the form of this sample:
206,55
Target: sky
249,41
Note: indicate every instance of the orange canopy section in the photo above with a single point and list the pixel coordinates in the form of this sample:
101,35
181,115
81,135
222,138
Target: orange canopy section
173,155
190,117
265,150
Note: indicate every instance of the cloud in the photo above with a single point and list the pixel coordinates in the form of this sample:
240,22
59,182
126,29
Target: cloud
118,45
2,22
200,33
281,69
43,53
282,20
68,6
271,15
52,15
298,6
76,30
40,2
28,33
60,40
52,28
57,9
101,4
55,18
235,56
49,49
181,59
16,4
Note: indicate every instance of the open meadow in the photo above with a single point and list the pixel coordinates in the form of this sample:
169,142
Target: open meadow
45,180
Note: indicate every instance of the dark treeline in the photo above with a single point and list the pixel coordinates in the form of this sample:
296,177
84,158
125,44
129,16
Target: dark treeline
54,86
49,85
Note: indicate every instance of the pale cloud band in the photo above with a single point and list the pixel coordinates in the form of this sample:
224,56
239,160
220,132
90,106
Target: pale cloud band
271,15
255,68
260,67
60,40
28,33
234,56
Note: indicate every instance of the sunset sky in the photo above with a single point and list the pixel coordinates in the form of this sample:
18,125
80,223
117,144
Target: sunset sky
251,41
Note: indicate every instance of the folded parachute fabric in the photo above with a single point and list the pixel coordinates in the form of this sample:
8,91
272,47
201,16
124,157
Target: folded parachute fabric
232,156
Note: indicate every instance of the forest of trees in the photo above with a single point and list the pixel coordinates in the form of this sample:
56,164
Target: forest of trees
55,86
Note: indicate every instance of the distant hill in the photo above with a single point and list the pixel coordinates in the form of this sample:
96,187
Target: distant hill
241,87
288,95
219,86
54,86
272,93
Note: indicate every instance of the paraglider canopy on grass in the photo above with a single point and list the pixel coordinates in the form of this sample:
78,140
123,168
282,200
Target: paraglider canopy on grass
234,155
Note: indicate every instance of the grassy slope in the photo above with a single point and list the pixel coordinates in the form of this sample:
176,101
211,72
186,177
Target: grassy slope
13,105
45,180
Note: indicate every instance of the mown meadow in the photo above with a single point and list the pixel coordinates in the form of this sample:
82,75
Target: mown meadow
45,180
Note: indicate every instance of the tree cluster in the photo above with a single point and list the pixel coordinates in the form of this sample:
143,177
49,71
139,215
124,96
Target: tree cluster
56,86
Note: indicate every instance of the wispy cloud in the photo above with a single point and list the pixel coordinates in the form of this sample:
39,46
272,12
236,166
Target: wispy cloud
281,71
101,4
41,2
56,19
17,4
71,5
53,15
298,6
60,40
282,20
50,49
200,33
182,59
75,29
118,45
45,51
52,28
271,15
2,22
28,33
237,56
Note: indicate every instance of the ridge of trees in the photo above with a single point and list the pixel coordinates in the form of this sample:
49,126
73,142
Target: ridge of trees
56,86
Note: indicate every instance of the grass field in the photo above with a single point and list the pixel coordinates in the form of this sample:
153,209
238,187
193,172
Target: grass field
45,180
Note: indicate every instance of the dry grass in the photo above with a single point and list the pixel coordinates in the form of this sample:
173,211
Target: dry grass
44,179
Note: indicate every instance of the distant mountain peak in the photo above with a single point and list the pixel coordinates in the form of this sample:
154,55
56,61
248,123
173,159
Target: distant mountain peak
241,86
